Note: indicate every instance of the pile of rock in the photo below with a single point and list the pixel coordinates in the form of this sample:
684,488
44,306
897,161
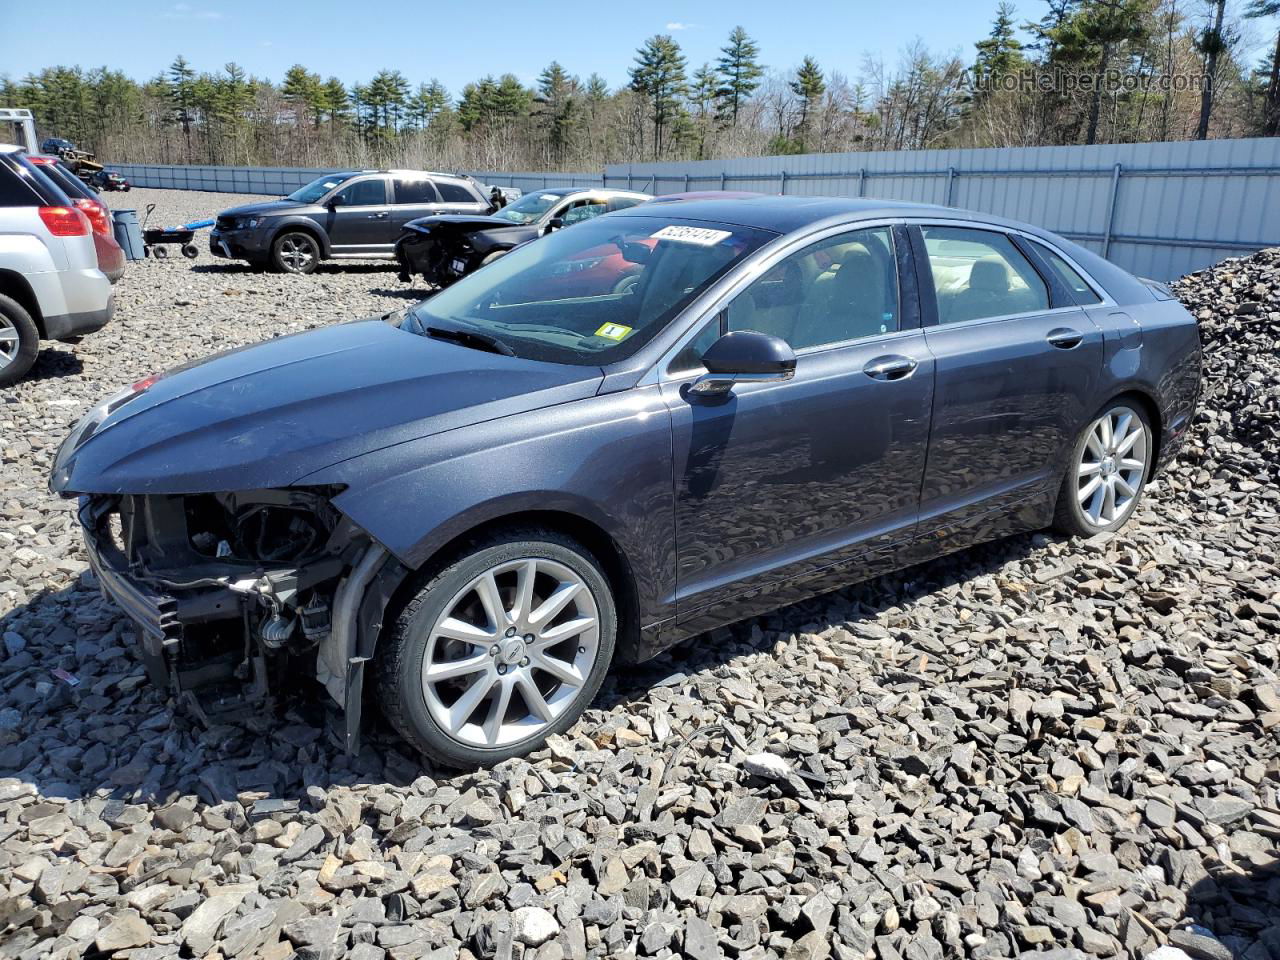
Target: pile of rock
1063,748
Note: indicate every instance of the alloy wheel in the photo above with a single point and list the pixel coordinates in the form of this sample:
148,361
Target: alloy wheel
511,652
1112,466
297,253
10,342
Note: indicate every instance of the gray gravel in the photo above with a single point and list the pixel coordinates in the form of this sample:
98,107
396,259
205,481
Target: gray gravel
1060,748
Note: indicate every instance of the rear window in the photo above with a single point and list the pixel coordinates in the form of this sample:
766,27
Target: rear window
22,184
71,185
1084,294
415,191
454,192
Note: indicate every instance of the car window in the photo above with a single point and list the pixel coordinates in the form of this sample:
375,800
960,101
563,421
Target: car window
414,191
1084,294
979,274
842,288
593,294
363,193
621,203
689,359
584,210
451,192
13,192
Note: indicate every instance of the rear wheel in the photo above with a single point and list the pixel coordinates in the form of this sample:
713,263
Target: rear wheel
1109,467
498,650
295,252
19,341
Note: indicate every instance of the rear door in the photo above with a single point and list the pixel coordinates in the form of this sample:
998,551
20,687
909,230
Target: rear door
412,198
1017,365
359,221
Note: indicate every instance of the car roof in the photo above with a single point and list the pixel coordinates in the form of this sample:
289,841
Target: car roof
604,191
785,214
10,148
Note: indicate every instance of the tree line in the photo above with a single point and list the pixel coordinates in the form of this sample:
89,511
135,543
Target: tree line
1093,71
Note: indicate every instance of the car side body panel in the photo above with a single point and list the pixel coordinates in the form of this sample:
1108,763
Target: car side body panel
605,459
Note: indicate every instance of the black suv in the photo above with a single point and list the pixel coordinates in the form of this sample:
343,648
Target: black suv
353,215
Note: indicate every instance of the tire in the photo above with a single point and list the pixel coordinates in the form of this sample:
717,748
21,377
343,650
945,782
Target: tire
190,251
295,251
432,715
1106,454
19,341
496,255
160,253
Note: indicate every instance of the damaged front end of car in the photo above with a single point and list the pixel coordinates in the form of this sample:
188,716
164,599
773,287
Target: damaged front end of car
235,593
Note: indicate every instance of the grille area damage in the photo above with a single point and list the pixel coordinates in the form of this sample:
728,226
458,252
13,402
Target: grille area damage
232,593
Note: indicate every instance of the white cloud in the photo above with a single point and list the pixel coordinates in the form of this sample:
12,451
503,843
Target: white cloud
184,11
677,25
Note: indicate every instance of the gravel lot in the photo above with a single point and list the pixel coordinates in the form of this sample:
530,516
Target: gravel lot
1061,748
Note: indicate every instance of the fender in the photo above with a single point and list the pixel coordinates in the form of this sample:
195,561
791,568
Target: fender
301,220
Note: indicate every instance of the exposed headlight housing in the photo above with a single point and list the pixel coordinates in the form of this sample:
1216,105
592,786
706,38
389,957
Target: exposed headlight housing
247,223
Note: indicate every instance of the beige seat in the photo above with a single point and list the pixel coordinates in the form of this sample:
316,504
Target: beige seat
846,306
986,295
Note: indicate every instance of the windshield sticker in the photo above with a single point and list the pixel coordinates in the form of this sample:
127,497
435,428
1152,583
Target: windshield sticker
613,331
548,197
702,236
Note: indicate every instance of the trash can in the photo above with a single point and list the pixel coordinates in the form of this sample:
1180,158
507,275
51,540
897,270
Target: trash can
124,224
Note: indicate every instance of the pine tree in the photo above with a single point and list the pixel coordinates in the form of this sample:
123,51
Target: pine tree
1000,54
658,76
1271,117
427,102
182,90
301,90
809,85
740,72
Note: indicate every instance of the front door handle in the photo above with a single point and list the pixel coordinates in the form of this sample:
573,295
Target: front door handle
378,216
1064,338
891,367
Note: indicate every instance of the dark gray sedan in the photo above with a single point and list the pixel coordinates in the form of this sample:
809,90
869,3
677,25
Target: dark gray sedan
475,506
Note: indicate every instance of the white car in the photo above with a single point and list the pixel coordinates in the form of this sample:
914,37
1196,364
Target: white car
50,284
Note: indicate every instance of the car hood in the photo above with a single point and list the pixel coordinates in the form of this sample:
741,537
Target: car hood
265,207
465,222
268,415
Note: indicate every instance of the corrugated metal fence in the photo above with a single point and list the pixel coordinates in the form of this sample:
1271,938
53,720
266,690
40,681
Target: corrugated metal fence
1157,209
277,181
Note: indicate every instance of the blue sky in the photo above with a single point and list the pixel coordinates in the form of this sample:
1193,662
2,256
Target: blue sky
458,42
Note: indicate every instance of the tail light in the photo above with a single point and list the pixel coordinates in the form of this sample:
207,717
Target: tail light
97,214
65,221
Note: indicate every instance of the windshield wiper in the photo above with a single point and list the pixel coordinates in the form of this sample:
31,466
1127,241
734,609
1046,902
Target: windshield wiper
471,338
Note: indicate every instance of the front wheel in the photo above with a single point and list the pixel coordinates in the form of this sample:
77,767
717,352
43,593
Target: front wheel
295,252
500,649
1109,466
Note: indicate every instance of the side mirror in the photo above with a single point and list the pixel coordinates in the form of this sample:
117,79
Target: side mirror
334,201
555,223
744,356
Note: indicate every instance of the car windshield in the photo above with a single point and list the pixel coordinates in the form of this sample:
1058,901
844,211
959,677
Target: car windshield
529,208
317,188
591,295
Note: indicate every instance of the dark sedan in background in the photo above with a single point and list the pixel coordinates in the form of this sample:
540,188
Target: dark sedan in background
352,215
441,249
474,506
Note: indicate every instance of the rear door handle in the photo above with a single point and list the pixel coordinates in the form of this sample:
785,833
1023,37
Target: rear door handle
891,367
378,216
1064,338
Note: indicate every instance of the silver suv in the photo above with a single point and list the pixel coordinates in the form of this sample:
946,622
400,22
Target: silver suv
50,284
353,215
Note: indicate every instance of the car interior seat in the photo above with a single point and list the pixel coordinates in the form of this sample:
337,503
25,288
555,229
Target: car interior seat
848,305
987,293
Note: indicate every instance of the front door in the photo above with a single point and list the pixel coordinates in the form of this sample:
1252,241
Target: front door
1017,367
359,220
784,489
